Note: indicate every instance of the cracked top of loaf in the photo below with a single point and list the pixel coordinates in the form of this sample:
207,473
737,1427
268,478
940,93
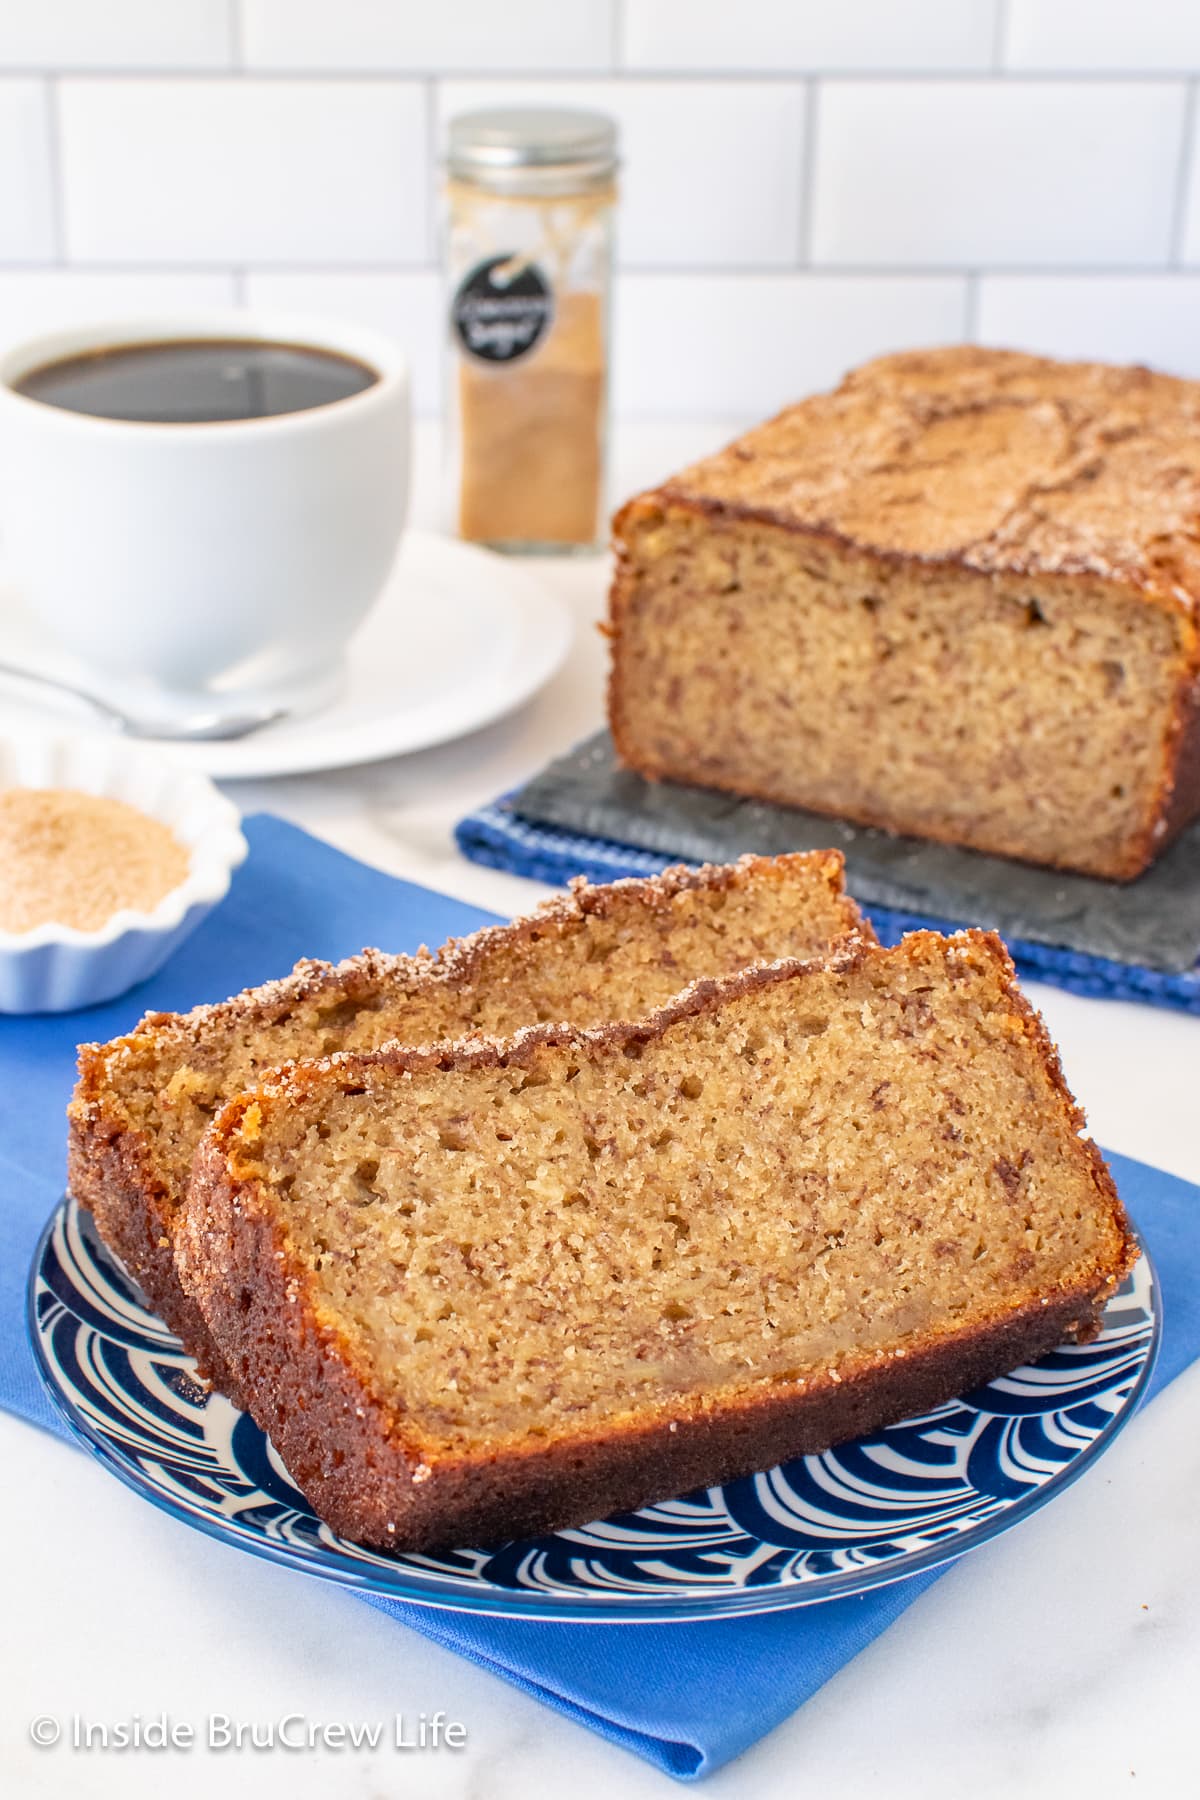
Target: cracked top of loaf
985,458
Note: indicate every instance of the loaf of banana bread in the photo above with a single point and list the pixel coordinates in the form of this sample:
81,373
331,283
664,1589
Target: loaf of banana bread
956,598
494,1289
144,1101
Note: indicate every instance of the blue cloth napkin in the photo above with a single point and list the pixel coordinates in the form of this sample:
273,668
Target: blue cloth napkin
685,1697
500,838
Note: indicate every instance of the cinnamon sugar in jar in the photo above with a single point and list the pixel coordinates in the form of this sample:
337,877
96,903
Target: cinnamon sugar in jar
530,198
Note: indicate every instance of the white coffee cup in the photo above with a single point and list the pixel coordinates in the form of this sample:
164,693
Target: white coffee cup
219,561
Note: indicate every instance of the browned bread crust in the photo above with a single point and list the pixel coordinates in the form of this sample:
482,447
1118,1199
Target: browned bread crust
1016,475
990,459
368,1469
111,1170
118,1170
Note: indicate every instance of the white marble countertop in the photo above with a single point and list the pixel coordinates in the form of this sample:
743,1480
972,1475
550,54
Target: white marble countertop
1063,1659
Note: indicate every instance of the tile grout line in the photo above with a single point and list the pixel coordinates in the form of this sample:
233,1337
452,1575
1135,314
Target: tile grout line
217,266
971,307
54,158
1183,179
1158,271
237,40
999,37
808,173
433,188
616,45
715,77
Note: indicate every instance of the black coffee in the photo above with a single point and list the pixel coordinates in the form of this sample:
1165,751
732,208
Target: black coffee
197,381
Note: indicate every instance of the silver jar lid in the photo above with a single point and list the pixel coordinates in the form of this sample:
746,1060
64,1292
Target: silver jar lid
533,149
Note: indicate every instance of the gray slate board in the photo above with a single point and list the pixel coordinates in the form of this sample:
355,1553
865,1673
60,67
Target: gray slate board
1152,923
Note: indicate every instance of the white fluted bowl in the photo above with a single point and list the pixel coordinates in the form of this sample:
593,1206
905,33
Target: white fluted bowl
57,968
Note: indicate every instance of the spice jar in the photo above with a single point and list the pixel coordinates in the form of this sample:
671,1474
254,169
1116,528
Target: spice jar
529,201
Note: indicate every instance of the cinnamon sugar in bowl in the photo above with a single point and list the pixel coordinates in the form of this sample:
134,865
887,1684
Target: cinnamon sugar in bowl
69,858
110,855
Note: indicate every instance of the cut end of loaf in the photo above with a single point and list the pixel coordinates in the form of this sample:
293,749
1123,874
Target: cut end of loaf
927,602
1037,719
144,1102
599,952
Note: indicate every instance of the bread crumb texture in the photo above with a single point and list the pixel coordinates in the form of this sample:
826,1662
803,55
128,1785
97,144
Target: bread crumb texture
618,951
800,1169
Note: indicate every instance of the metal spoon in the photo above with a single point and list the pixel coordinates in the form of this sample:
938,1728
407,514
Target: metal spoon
195,728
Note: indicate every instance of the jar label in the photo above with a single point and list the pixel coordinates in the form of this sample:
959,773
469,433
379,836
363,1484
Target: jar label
499,316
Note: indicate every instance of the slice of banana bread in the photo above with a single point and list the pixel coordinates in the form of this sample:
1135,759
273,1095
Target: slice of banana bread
144,1101
488,1290
955,598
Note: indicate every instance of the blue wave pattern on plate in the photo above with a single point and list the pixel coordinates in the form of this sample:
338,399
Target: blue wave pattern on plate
911,1496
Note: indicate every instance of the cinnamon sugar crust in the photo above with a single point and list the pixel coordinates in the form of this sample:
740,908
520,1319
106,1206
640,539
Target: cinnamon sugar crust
988,458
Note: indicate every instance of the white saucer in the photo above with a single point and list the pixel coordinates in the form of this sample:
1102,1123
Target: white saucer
458,638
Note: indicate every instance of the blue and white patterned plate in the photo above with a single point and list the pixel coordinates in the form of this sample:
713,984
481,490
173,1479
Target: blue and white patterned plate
908,1498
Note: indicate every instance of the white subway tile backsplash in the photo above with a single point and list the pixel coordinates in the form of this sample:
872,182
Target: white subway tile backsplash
803,184
479,35
741,346
115,34
36,300
26,191
711,171
1114,35
781,36
1112,318
244,171
972,172
408,308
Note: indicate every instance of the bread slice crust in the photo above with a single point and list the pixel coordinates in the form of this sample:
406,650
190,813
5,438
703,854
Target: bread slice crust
373,1475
